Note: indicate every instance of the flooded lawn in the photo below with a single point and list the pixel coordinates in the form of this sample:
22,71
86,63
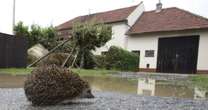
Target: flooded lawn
10,81
114,93
140,86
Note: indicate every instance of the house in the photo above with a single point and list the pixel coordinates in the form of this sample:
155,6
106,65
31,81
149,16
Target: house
169,40
13,51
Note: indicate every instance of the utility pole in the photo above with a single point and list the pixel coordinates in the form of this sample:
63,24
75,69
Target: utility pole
13,20
89,11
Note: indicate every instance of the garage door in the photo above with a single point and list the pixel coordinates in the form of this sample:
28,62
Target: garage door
178,54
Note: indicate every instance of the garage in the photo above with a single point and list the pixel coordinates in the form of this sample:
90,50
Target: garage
178,54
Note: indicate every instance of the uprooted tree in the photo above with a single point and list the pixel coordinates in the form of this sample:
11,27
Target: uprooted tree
88,36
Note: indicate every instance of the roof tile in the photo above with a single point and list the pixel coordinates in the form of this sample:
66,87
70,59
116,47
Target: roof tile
170,19
106,17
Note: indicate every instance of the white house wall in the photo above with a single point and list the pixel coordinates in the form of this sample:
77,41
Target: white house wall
118,38
150,42
203,52
142,43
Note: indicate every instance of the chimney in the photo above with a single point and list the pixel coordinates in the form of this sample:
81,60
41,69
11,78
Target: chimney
158,7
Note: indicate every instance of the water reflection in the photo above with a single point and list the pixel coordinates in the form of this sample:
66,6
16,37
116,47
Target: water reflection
147,87
141,86
11,81
153,87
200,93
112,84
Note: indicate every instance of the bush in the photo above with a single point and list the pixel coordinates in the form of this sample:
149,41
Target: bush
120,59
100,61
89,60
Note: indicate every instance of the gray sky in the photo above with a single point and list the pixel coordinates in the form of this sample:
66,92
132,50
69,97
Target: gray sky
47,12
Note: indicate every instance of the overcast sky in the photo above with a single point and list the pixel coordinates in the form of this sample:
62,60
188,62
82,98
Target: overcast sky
47,12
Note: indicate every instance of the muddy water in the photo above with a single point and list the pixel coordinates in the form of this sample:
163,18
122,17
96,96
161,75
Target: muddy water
10,81
147,87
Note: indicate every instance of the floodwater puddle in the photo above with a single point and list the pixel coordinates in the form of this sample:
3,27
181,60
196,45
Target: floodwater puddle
147,87
141,86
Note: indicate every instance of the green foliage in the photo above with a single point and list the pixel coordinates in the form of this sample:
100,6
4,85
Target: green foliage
21,30
100,61
89,60
94,72
120,59
90,35
16,71
87,37
81,72
200,81
37,34
49,39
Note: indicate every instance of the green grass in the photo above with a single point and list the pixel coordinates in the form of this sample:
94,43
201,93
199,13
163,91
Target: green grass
201,81
16,71
81,72
95,72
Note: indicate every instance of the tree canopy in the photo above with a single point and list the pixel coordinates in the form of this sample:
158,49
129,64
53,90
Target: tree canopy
88,36
37,34
21,30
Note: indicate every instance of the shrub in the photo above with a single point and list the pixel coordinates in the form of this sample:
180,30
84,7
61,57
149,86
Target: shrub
100,61
118,58
89,60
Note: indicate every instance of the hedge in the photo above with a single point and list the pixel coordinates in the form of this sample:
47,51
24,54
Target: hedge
118,59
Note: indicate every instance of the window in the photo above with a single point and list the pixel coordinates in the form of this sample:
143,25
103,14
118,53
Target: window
149,53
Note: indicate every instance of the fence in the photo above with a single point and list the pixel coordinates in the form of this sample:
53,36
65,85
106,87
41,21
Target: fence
13,51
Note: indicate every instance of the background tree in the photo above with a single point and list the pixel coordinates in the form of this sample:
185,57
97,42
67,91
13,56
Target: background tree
37,34
49,38
21,30
87,37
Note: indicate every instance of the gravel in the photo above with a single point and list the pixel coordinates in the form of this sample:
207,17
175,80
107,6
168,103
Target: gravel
14,99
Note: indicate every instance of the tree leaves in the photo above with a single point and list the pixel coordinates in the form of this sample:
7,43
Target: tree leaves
88,36
37,34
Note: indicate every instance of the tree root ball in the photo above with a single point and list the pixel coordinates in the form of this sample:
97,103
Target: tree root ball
49,85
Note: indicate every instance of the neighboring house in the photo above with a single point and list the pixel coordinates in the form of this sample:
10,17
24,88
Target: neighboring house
13,51
168,40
